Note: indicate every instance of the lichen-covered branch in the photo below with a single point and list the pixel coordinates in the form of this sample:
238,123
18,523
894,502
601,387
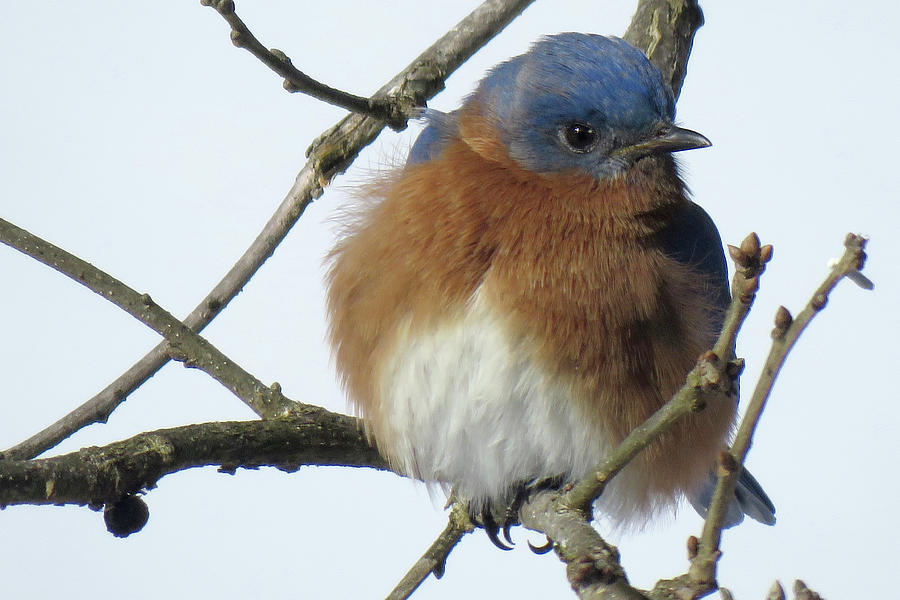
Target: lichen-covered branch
333,152
592,565
101,475
664,30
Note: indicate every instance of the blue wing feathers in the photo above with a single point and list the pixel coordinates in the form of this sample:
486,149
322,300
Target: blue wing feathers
753,500
691,238
426,146
431,141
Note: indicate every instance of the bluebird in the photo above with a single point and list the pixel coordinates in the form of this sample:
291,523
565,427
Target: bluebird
533,284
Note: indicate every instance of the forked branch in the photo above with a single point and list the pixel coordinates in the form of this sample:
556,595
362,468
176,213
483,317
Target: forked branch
332,152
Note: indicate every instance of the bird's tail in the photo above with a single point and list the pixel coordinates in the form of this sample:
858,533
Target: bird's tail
749,499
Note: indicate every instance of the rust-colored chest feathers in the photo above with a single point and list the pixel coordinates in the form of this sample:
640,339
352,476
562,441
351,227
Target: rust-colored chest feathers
570,263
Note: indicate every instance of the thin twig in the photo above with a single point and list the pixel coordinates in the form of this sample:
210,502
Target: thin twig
435,558
98,408
710,377
298,81
593,565
332,153
785,335
184,345
690,398
99,475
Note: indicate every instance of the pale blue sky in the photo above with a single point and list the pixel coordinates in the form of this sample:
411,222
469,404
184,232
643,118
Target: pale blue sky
138,138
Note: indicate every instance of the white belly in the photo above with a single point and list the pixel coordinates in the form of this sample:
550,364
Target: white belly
465,405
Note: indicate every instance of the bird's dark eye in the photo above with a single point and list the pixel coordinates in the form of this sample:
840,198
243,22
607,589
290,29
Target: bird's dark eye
579,137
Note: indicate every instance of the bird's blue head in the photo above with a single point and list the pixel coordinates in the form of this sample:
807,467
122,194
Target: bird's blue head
584,102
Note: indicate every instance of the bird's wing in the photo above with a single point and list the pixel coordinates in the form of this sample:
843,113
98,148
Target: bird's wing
438,131
691,238
749,499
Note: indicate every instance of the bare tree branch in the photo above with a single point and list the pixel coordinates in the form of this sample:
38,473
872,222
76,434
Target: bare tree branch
785,335
711,377
664,30
592,565
184,345
100,475
333,152
297,81
435,558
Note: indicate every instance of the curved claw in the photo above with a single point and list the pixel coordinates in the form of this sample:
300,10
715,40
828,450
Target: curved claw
491,528
541,549
506,527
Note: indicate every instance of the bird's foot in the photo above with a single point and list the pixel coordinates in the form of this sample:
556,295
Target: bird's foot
492,528
495,521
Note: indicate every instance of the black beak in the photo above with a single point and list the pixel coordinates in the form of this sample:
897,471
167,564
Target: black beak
670,139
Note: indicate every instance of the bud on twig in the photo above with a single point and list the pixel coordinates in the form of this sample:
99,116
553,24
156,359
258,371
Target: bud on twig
737,255
776,592
693,547
783,320
750,245
735,367
748,289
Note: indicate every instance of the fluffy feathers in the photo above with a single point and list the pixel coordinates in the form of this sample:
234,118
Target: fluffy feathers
518,301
